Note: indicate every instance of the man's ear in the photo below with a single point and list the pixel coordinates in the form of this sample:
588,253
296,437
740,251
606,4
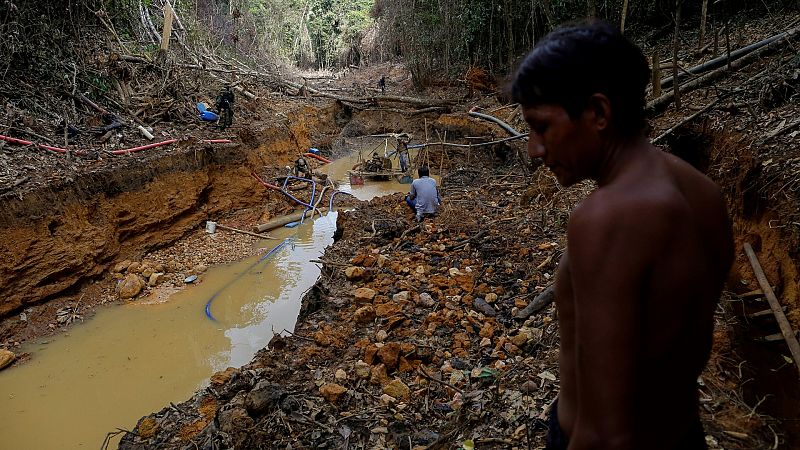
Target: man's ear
599,109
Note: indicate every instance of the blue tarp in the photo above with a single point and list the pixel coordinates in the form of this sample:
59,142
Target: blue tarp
205,114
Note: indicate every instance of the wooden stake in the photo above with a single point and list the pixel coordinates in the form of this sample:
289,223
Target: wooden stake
703,14
656,75
624,14
777,310
167,31
676,86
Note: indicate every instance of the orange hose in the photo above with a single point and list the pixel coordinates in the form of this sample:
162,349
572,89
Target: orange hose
315,156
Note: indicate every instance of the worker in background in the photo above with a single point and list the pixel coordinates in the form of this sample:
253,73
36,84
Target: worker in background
647,252
301,169
402,154
424,198
382,84
225,107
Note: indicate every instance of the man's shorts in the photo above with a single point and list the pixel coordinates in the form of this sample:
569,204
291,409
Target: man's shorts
695,439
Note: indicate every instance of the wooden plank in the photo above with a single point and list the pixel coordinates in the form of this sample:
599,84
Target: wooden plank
777,310
766,312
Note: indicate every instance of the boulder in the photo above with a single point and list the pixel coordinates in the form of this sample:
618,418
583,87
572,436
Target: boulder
147,271
6,358
155,279
130,286
134,267
121,266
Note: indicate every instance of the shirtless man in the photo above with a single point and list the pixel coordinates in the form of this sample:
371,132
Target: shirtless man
648,251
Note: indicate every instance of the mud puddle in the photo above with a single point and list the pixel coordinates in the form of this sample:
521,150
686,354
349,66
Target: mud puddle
132,359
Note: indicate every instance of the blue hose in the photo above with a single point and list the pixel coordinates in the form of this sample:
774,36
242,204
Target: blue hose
266,255
313,190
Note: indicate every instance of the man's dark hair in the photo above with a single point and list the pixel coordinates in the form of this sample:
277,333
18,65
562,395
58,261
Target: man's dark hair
424,172
574,62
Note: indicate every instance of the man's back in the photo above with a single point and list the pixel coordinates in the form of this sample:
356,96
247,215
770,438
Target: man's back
648,253
425,192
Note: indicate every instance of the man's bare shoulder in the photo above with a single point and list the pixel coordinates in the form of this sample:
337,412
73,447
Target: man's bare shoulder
629,209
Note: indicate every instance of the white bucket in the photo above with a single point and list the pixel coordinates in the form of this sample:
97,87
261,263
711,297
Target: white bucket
211,227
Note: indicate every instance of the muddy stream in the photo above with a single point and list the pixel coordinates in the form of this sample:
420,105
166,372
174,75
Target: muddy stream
129,360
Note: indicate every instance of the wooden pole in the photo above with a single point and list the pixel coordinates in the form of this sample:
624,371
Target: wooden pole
715,50
777,310
676,87
624,14
656,75
703,14
167,31
281,221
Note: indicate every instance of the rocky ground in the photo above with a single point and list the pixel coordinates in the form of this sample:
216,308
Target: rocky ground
410,340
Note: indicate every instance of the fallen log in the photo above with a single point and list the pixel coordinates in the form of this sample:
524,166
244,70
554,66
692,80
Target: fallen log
283,220
537,304
777,310
720,61
658,104
369,100
494,119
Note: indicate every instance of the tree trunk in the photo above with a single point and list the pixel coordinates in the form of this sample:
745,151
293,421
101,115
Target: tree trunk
624,14
591,8
676,87
703,15
656,75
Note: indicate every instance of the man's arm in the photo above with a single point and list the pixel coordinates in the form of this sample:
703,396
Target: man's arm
610,251
413,193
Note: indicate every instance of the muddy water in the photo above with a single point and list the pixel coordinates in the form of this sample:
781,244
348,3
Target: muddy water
130,360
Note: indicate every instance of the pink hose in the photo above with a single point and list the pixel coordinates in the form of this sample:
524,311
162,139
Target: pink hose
23,142
143,147
264,183
315,156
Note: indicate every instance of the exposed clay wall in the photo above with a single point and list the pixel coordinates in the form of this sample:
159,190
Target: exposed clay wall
63,235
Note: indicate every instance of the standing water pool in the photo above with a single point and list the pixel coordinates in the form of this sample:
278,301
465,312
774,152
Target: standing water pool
129,360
